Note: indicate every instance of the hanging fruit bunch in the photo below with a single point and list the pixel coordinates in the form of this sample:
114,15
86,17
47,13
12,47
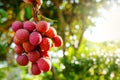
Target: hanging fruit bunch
33,41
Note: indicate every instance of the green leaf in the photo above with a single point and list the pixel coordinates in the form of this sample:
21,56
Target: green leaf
28,12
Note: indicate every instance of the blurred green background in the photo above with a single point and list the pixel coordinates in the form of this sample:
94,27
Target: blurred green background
78,58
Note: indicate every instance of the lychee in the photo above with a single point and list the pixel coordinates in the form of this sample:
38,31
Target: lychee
27,46
57,41
33,56
35,38
46,54
29,25
17,41
28,1
45,45
17,25
42,26
22,34
22,60
34,69
18,49
44,64
51,33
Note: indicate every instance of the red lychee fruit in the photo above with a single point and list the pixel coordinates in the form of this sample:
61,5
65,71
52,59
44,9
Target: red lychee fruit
22,60
28,1
42,26
35,38
17,41
46,54
18,49
29,25
34,69
51,33
27,46
57,41
44,64
45,45
22,34
17,25
33,56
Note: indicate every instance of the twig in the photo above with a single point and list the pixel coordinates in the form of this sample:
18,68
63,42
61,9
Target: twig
47,19
36,11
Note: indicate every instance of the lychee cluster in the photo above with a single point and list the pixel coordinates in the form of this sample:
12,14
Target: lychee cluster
33,42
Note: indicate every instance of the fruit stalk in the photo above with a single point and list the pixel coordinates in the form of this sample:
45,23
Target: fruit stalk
36,11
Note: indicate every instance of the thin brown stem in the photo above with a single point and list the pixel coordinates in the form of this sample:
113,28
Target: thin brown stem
36,11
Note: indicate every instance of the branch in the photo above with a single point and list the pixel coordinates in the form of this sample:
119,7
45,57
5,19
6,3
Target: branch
82,29
62,21
54,76
81,37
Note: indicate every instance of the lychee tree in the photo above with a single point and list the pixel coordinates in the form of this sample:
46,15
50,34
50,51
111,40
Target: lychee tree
70,18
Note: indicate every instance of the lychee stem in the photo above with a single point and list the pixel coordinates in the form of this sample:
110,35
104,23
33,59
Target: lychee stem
45,18
36,11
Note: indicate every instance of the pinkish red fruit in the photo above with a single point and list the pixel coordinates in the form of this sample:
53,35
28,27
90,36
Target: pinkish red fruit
22,60
28,1
28,47
35,38
42,26
34,69
51,33
57,41
44,64
18,49
17,41
45,45
46,54
28,25
33,56
22,34
17,25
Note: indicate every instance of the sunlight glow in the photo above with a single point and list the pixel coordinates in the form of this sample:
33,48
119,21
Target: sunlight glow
107,26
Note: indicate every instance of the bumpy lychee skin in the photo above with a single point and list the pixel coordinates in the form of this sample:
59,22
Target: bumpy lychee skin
33,56
29,25
57,41
22,60
28,1
34,69
35,38
17,41
22,34
18,49
51,33
42,26
45,45
17,25
44,64
27,46
46,54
